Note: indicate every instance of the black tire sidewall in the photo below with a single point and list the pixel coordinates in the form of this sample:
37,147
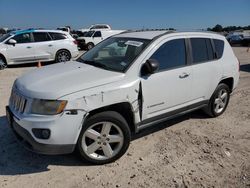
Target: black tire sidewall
113,117
60,51
212,100
90,46
1,68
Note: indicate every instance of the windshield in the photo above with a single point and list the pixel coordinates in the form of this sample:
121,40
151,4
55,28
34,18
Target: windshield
115,54
4,37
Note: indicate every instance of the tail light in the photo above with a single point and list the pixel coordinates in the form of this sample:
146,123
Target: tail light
75,42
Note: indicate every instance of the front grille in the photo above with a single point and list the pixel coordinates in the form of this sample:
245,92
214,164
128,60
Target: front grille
17,102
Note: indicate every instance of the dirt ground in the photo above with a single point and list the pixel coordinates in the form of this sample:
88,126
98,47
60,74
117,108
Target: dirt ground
190,151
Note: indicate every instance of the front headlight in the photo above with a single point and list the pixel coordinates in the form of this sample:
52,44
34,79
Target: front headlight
47,107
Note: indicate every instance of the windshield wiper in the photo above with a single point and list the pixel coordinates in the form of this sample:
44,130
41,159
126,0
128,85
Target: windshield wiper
97,64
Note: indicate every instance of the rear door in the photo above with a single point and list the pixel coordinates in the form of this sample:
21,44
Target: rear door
43,46
206,69
23,51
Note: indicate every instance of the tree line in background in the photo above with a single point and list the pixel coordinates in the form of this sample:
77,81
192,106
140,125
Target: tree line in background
219,28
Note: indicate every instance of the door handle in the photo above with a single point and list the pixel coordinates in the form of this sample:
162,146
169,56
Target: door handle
50,45
29,47
184,75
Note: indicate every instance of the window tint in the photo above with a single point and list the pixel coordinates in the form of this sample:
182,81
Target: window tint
97,34
171,54
22,38
41,36
209,49
4,37
199,50
219,47
58,36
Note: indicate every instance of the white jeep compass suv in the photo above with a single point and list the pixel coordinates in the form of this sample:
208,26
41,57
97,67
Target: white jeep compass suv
126,83
28,46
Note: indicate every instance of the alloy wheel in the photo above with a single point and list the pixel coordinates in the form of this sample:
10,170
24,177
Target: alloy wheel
102,140
220,101
63,56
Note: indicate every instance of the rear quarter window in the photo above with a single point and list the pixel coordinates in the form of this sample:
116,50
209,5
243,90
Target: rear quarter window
58,36
219,47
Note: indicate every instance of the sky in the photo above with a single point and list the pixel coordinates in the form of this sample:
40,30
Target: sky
126,14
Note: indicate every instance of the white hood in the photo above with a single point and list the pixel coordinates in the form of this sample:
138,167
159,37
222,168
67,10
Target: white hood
57,80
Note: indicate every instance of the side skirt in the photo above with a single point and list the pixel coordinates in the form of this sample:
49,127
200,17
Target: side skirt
170,115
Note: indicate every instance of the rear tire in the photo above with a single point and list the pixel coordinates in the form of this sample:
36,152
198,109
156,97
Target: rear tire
104,138
219,101
62,56
3,64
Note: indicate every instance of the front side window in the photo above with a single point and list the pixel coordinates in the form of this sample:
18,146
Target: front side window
22,38
115,54
41,36
89,34
170,55
97,34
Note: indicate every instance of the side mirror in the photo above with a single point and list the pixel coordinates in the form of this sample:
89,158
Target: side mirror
12,42
150,67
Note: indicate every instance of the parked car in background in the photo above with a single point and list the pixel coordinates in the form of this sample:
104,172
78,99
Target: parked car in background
76,33
97,27
66,29
246,41
93,37
235,39
125,84
27,46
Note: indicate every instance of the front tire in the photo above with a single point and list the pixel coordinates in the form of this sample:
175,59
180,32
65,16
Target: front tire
104,138
90,46
219,101
62,56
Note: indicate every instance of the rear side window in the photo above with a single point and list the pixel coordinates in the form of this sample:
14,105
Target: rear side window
172,54
202,50
219,47
209,49
58,36
23,38
41,36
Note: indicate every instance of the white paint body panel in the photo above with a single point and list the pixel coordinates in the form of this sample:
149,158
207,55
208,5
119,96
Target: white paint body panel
87,88
37,51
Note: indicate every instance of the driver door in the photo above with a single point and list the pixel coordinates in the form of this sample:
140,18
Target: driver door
97,37
23,51
169,88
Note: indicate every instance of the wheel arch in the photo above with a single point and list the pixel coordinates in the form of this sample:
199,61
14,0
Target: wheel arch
229,82
123,108
4,58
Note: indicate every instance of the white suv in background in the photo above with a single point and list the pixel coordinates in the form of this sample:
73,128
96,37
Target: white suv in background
96,27
126,83
27,46
93,37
